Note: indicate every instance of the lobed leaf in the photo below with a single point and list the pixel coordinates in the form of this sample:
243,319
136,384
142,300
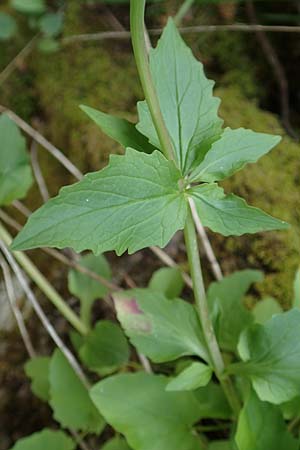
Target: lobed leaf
168,281
232,152
186,100
46,440
138,406
271,355
226,296
212,402
69,399
86,288
229,214
122,131
262,427
194,376
265,309
37,369
15,171
160,328
105,348
133,203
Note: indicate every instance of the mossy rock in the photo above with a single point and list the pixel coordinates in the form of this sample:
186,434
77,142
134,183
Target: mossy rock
272,184
100,74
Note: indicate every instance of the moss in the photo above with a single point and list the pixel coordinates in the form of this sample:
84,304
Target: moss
273,185
99,75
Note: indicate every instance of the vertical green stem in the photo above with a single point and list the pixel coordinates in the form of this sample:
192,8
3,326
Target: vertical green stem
140,51
137,26
204,315
183,11
44,285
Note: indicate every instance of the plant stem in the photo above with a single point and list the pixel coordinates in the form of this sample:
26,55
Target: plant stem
204,315
140,50
183,11
44,285
139,44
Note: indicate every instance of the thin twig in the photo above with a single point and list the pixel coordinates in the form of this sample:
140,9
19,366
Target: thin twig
21,55
42,316
80,442
10,221
16,311
40,139
44,285
206,243
145,362
106,35
21,208
183,10
277,67
166,259
38,173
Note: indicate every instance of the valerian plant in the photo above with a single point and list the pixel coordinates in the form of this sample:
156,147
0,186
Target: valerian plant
236,370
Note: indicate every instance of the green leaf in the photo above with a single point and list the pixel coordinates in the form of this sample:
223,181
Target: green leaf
265,309
138,406
83,286
29,6
46,440
8,26
122,131
271,355
105,348
69,398
51,24
186,100
37,369
212,402
86,288
232,152
229,214
168,281
131,204
48,45
15,171
194,376
226,296
262,427
160,328
116,443
76,339
296,300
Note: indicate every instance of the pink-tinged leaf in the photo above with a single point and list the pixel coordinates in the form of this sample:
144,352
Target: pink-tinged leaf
160,328
130,315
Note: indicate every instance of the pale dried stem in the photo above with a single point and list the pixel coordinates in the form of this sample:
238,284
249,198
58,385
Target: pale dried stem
20,56
80,442
38,173
42,316
15,309
40,139
105,35
166,259
215,266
